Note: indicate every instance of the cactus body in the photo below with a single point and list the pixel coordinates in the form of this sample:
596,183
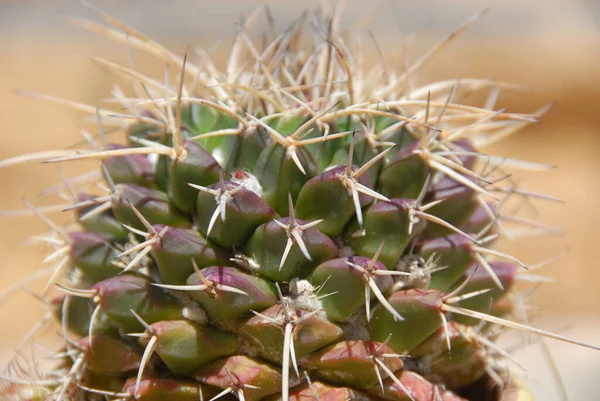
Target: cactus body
294,232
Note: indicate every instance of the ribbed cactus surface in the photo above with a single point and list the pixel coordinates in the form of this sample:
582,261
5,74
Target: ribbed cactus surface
290,226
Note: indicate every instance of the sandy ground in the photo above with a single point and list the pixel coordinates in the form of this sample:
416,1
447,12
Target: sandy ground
558,67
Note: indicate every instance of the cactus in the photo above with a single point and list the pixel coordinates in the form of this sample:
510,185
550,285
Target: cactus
286,227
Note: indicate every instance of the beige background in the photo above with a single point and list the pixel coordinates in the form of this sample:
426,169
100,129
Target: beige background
551,46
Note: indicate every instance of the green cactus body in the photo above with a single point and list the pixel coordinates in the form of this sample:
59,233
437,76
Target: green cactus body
293,233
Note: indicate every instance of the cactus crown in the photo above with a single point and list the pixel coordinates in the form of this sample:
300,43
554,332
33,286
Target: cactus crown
289,226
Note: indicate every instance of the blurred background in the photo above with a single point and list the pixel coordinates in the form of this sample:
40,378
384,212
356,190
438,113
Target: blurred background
550,46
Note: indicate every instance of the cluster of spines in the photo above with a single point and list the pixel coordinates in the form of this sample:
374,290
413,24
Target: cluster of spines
202,227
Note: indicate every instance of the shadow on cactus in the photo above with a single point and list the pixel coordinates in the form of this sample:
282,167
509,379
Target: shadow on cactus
288,226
